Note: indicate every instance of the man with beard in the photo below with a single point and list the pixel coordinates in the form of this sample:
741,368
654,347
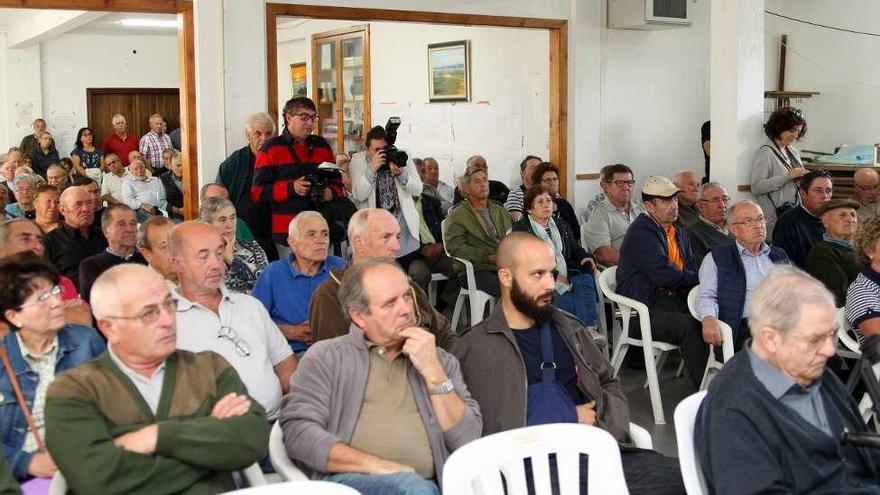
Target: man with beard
526,332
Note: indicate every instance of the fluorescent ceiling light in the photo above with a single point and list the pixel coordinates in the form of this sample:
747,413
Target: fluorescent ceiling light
161,23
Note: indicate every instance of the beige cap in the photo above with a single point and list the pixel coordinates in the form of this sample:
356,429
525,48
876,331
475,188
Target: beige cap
657,185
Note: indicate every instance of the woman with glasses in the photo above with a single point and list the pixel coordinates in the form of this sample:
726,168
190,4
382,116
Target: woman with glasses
86,157
575,285
40,346
44,154
245,260
863,296
23,189
777,165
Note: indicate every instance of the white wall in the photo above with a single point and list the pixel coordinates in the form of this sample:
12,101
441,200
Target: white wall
73,62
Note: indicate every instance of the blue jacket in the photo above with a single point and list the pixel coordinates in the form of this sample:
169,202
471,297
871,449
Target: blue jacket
644,262
76,344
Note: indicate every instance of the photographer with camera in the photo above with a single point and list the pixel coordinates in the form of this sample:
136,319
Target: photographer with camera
383,176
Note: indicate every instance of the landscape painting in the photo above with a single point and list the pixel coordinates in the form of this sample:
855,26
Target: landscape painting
449,71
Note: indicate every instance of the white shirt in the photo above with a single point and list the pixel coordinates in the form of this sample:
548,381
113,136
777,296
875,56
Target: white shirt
198,329
112,184
136,192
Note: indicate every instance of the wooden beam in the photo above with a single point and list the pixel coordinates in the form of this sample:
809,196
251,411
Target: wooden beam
156,6
273,10
783,46
188,143
559,103
590,176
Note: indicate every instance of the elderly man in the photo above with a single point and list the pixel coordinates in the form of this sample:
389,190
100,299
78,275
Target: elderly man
833,260
237,174
867,192
514,337
25,186
498,192
372,232
154,142
514,203
611,218
474,230
233,325
774,417
658,269
144,194
58,177
287,285
386,371
689,184
46,199
7,175
172,183
119,226
443,192
710,229
152,243
94,191
32,141
111,180
731,271
145,416
120,143
78,237
799,228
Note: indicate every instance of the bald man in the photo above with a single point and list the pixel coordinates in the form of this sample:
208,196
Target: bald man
689,183
515,337
78,237
867,193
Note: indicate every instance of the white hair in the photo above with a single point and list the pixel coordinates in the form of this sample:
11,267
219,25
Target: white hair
293,226
259,117
781,295
106,294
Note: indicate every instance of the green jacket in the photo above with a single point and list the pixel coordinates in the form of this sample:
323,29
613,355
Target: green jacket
465,237
87,407
835,266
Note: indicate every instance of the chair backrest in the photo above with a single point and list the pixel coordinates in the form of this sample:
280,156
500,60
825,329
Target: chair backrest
685,415
279,458
295,487
640,437
486,465
851,348
692,301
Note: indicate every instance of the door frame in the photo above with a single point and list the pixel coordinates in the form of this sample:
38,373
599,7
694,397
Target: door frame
186,63
557,28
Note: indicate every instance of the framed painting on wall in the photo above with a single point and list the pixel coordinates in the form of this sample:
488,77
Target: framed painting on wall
298,78
449,71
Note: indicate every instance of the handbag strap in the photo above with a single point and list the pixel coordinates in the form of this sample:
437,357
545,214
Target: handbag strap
548,365
20,396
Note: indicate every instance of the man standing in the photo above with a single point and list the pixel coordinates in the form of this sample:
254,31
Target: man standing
799,228
119,226
833,260
78,237
657,268
710,229
233,325
145,195
435,187
730,273
152,243
144,416
612,217
120,143
689,184
867,192
385,371
774,418
31,142
287,285
154,143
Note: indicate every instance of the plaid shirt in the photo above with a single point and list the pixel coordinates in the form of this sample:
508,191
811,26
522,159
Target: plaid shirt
44,366
152,146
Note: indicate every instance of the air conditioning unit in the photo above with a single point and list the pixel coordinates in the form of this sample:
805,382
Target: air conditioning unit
648,14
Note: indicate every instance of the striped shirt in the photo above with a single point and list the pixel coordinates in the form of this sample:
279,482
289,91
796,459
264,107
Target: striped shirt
863,299
44,366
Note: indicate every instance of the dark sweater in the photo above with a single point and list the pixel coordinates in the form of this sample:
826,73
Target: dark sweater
749,442
93,266
173,194
565,213
703,238
835,266
66,248
796,231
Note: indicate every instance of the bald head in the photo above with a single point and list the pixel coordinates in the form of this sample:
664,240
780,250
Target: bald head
374,232
867,184
512,248
182,233
77,207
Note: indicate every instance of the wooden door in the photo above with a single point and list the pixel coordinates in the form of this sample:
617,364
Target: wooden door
136,104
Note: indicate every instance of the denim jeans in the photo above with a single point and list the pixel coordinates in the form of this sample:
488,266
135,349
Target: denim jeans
580,300
386,484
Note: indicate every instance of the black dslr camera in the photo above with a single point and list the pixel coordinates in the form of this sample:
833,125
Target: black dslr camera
319,179
392,154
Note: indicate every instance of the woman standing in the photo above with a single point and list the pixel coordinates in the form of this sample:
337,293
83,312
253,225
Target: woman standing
245,260
86,157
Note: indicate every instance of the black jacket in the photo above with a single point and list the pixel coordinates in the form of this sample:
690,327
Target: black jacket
574,254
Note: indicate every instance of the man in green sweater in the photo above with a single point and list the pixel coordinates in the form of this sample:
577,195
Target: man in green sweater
145,417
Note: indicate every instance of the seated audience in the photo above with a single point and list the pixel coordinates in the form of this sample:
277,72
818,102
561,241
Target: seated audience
441,191
612,217
774,417
152,243
46,199
575,287
7,174
58,177
867,192
137,155
86,157
145,195
731,271
833,260
235,326
474,230
40,346
863,296
25,186
78,237
799,228
287,285
167,153
111,180
657,268
216,190
497,190
119,226
32,141
689,184
711,228
120,142
581,387
245,260
145,416
432,256
172,182
44,154
373,232
514,203
547,175
385,371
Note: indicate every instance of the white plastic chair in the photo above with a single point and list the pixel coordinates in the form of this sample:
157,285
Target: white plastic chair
640,437
685,415
478,467
282,463
848,347
477,299
608,284
296,487
712,365
436,278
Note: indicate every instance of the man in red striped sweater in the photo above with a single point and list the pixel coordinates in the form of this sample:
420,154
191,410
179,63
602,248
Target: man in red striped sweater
284,164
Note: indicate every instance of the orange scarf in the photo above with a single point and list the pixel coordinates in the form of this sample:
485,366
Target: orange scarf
674,253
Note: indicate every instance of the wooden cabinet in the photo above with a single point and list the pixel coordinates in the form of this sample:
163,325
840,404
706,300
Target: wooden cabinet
341,86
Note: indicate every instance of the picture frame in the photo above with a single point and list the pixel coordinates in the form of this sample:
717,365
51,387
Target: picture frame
449,71
298,80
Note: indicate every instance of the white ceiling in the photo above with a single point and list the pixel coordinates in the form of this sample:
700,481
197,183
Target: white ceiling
108,23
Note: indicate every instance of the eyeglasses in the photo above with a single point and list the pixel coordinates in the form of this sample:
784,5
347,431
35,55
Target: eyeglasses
718,200
307,117
151,313
55,291
816,341
241,345
869,187
751,222
622,183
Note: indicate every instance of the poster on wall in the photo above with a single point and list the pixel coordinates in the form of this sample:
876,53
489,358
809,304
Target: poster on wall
298,86
449,71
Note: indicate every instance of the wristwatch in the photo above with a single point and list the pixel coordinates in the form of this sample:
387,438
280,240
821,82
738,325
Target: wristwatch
444,388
